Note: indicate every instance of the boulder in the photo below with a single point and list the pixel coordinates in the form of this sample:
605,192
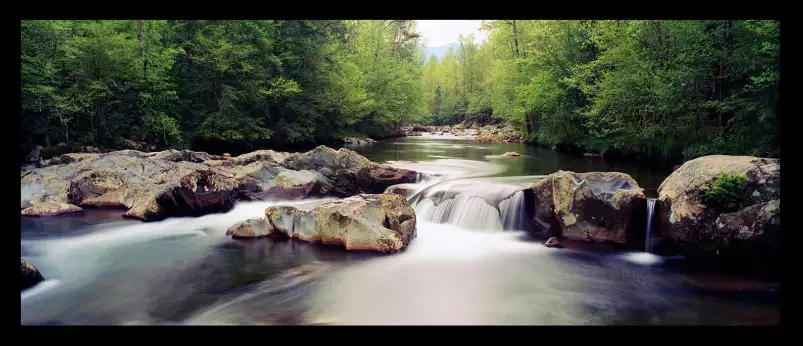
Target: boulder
511,153
173,183
148,187
259,155
125,143
25,169
289,184
30,275
595,206
34,156
378,178
226,155
685,219
553,242
90,149
324,157
405,190
381,223
757,226
50,208
70,158
183,155
349,172
251,228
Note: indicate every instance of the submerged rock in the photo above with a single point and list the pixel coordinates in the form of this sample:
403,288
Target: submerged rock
30,275
685,219
511,153
595,206
382,223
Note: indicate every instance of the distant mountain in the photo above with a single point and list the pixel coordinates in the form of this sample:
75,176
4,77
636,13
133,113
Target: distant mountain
440,51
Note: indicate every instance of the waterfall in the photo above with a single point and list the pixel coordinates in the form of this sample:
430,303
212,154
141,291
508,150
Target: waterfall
464,211
475,204
650,209
511,211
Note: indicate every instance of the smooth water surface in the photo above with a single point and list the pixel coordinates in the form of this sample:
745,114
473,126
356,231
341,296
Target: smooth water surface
478,269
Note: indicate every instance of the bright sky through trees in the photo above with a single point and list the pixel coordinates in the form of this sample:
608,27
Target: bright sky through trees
440,32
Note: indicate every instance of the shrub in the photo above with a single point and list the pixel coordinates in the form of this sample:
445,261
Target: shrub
727,191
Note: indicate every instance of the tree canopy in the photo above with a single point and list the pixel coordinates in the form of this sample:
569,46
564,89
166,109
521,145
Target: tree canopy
666,89
207,83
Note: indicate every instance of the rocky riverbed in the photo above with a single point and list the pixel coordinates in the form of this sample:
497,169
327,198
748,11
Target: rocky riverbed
156,185
481,133
475,211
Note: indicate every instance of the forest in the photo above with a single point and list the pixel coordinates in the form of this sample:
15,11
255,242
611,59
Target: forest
661,89
210,84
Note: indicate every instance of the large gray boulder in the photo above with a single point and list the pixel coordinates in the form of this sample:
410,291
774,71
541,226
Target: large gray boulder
595,206
381,223
686,221
263,180
149,188
350,173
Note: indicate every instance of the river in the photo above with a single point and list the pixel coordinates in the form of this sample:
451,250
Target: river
468,265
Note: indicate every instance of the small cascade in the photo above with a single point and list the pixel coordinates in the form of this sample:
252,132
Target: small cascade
648,238
511,211
475,204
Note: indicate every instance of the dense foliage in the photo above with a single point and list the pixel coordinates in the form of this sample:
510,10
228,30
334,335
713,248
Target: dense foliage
665,89
726,192
215,85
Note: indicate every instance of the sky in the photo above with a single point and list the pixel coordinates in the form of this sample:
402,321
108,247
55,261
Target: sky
441,32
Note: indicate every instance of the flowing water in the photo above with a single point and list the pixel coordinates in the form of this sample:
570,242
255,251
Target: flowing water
470,264
648,231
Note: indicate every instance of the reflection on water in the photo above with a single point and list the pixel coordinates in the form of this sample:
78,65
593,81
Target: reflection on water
534,160
101,269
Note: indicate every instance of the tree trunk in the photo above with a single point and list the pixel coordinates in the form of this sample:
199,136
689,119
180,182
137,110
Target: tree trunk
92,125
140,24
516,38
139,37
